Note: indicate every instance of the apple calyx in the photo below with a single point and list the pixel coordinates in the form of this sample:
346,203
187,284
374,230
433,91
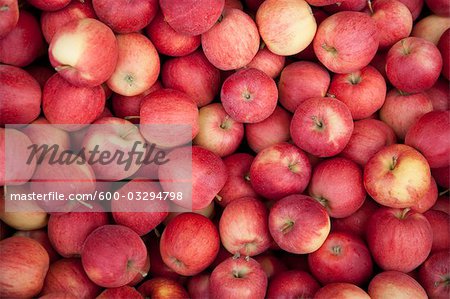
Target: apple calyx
336,250
354,79
287,226
330,49
247,96
129,79
4,8
226,123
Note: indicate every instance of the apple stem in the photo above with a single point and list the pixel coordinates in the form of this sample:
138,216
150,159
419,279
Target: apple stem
220,19
404,212
62,67
405,49
4,8
218,197
247,177
247,258
369,3
132,117
131,266
403,93
157,233
394,163
443,192
317,122
225,123
287,227
89,206
330,95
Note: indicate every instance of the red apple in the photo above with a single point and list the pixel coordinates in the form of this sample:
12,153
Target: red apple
438,94
23,267
442,176
9,16
299,224
319,16
433,275
444,48
270,264
431,27
292,284
428,200
49,5
439,222
363,91
341,291
442,204
282,160
40,73
189,243
338,45
414,6
59,296
120,292
249,95
352,5
84,52
198,286
158,268
232,42
268,62
238,278
400,111
162,288
42,133
194,75
125,17
394,284
407,242
300,81
322,126
41,236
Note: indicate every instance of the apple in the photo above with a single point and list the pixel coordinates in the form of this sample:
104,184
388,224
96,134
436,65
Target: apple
341,290
125,17
191,17
299,224
443,46
208,212
406,57
268,62
341,195
393,19
414,6
24,43
322,126
42,133
194,75
41,236
438,94
157,266
319,15
394,284
59,296
429,199
238,278
189,244
338,45
67,276
300,81
162,288
84,52
49,5
400,111
232,42
439,222
442,204
218,132
431,28
433,274
40,73
442,176
368,137
23,267
352,5
70,106
120,292
172,129
116,241
168,41
321,2
429,136
9,16
272,265
249,95
282,160
131,78
405,245
20,96
343,257
272,130
397,176
292,284
363,91
198,286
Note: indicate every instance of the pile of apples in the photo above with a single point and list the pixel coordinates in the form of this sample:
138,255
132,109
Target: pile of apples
320,156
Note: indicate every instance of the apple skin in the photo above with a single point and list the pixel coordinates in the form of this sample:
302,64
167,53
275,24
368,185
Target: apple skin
300,81
271,265
191,17
299,224
58,296
232,42
113,240
400,111
438,94
352,5
368,137
429,136
189,243
238,181
322,126
319,16
342,291
194,75
9,16
414,6
272,130
120,292
198,286
129,77
67,276
268,62
429,199
342,258
183,112
442,204
394,284
249,95
51,5
292,284
337,45
86,38
238,278
442,176
287,27
280,160
158,268
68,240
393,19
243,227
433,275
20,96
169,42
397,176
218,132
405,245
40,73
431,28
439,222
23,267
162,288
125,17
341,195
41,236
406,58
69,105
41,132
363,91
444,48
439,7
24,43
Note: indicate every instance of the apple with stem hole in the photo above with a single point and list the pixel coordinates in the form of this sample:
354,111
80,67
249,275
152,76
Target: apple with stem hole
434,274
431,27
